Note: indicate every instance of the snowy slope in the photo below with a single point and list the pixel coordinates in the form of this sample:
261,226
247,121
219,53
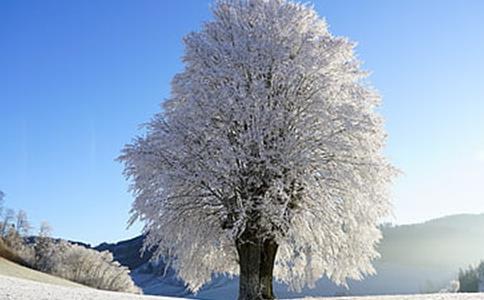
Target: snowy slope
8,268
12,288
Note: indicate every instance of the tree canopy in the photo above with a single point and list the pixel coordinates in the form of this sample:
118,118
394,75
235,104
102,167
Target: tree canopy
271,128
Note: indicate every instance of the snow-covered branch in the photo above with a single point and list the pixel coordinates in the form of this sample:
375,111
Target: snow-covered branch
270,128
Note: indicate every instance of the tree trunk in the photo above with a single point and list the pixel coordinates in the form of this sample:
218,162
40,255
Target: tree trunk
256,261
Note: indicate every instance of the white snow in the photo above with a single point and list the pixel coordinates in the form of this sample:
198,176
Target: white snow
20,289
12,288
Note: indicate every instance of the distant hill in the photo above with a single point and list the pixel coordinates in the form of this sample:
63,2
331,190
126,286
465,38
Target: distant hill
128,252
454,241
415,258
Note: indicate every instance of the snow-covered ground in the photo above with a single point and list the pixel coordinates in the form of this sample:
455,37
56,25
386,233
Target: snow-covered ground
12,288
8,268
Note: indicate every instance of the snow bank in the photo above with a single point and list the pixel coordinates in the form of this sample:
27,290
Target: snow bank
20,289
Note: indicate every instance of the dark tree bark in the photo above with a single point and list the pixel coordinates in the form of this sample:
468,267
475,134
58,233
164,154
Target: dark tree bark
256,261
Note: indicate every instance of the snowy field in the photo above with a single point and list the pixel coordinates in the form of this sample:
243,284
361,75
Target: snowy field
20,289
12,288
8,268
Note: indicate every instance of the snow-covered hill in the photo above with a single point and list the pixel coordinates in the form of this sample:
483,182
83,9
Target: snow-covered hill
12,288
8,268
20,289
415,258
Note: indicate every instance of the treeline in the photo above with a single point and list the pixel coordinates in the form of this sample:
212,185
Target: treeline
470,279
59,257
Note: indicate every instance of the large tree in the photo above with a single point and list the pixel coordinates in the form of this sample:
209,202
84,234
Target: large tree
267,158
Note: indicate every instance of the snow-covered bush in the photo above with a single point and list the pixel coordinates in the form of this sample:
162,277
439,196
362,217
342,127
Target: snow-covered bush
80,264
92,268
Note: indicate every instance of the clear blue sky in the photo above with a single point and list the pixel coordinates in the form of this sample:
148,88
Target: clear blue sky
78,77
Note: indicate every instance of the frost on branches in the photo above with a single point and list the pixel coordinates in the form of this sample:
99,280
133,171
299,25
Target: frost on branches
269,143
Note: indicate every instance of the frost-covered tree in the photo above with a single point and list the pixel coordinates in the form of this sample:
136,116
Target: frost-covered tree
7,221
44,248
45,229
23,226
267,158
